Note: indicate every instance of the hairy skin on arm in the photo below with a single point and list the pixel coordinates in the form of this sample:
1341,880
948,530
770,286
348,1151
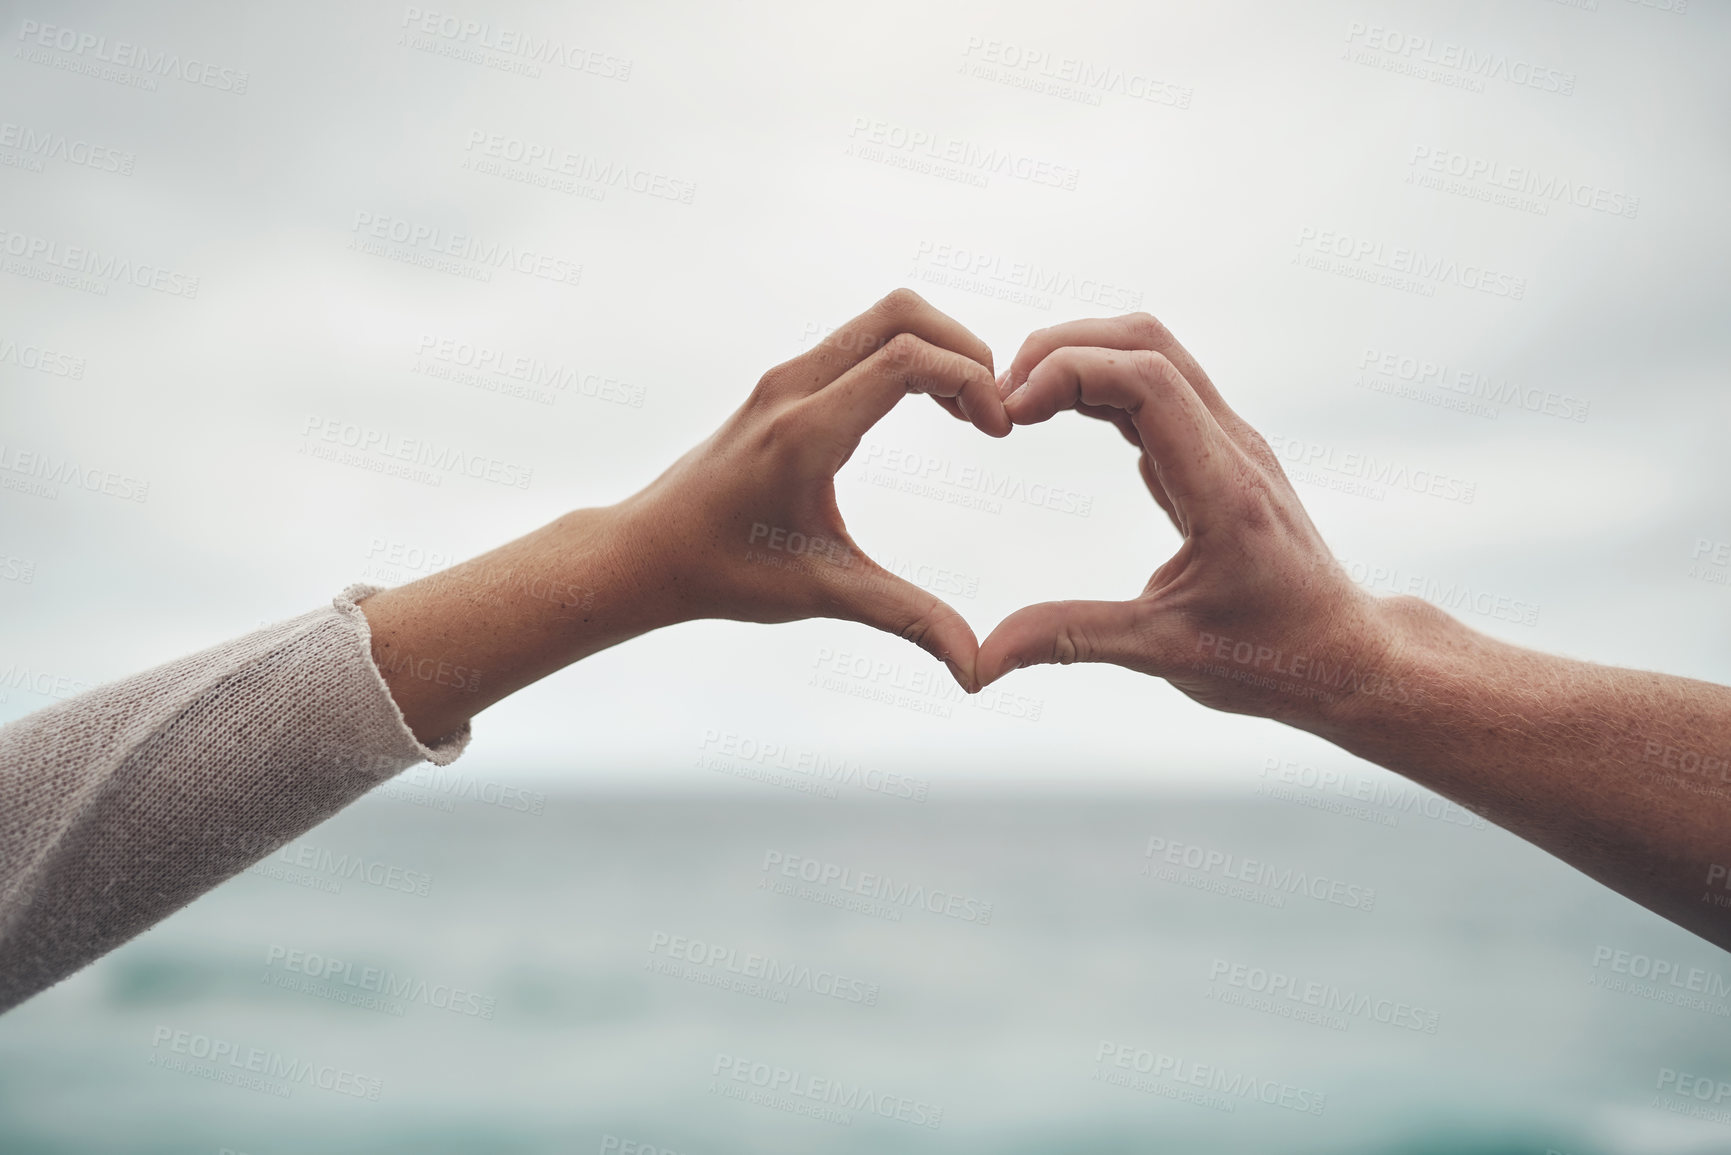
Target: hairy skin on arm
1567,754
1253,615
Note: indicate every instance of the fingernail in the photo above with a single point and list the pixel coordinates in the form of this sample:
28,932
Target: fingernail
956,673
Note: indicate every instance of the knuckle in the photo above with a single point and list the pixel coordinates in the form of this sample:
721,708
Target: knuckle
1258,505
786,429
1147,329
923,624
781,379
902,350
900,302
1153,371
1260,451
1071,645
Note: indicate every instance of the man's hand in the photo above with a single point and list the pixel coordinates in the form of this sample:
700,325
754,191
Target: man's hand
745,526
1252,614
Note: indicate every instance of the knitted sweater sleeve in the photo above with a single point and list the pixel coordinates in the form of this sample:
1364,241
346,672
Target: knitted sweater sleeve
125,803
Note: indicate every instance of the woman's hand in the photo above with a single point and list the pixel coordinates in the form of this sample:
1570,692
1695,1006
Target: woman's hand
745,526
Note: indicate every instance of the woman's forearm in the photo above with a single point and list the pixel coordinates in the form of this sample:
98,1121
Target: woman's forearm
744,526
455,642
1621,773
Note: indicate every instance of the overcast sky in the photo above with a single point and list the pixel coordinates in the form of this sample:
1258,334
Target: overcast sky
1544,184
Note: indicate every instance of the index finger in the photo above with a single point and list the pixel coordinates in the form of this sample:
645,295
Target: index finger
1131,331
902,311
1191,453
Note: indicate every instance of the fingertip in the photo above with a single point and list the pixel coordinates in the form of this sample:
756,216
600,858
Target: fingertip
1019,406
997,423
990,667
966,679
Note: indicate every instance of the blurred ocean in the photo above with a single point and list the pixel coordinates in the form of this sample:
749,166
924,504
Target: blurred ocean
620,974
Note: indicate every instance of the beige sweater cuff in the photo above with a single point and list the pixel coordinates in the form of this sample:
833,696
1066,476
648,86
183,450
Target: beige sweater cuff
123,804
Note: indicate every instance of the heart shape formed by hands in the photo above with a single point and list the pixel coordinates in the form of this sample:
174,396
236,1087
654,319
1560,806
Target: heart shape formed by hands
759,537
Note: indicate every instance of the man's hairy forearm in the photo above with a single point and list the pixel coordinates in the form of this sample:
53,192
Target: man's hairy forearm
1620,773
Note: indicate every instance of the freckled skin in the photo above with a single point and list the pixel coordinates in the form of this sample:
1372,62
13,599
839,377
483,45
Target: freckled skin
1254,615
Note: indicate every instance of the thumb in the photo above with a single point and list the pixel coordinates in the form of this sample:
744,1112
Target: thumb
886,602
1122,633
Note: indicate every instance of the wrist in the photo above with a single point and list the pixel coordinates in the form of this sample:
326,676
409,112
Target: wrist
629,584
1394,656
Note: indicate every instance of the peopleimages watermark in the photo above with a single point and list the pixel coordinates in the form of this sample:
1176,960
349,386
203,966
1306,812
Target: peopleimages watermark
952,158
829,1100
783,548
503,47
1718,875
615,1145
41,359
562,170
1340,791
39,473
960,483
1204,1084
791,765
885,898
1454,596
439,671
1710,561
1447,63
1019,282
925,689
369,987
1363,474
492,584
1328,1005
460,254
384,451
389,560
713,964
428,785
86,269
493,369
17,569
1660,980
121,62
1510,186
1703,771
1410,270
1458,387
1260,666
1218,871
254,1068
1682,1093
26,147
320,868
1065,77
17,676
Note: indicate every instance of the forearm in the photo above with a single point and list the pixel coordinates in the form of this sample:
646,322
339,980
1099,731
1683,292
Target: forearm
455,642
1618,772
